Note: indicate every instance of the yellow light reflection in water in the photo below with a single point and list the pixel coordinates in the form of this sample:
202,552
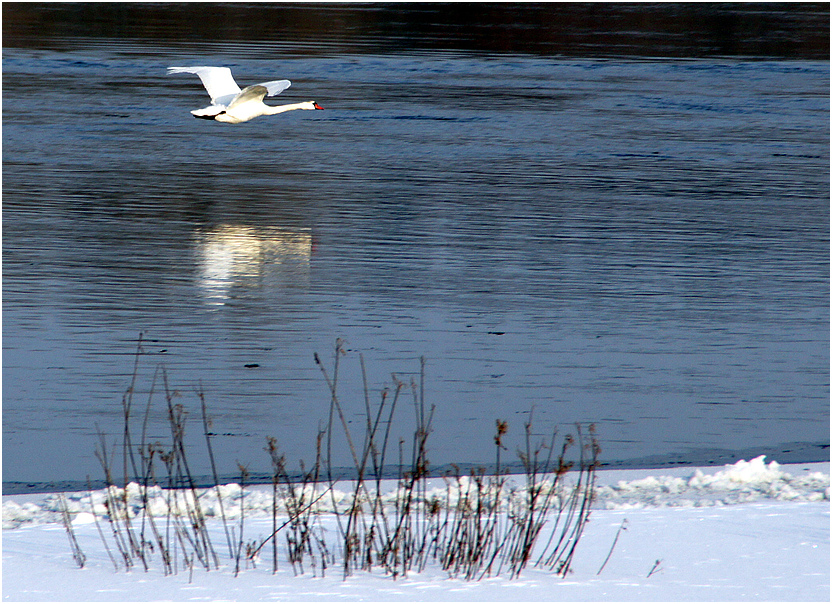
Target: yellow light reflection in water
235,256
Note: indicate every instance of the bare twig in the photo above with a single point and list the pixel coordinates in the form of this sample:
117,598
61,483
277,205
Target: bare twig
623,527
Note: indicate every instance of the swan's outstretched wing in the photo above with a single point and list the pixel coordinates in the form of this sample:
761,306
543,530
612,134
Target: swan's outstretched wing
276,87
249,93
218,81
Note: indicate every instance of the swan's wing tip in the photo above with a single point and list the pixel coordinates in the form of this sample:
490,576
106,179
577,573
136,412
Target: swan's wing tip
276,87
195,69
218,81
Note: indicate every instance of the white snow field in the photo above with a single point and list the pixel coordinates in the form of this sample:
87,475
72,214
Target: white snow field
748,531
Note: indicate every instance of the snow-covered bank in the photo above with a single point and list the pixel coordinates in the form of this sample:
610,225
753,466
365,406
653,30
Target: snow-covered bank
749,531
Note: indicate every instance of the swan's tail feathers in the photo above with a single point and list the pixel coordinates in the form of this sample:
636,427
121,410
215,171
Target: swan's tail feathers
209,112
218,81
249,93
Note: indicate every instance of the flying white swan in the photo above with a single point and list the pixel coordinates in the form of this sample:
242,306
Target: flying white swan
230,104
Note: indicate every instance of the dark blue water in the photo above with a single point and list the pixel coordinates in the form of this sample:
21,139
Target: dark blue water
639,243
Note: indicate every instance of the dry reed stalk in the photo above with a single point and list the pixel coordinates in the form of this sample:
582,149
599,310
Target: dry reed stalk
238,555
77,553
623,527
206,429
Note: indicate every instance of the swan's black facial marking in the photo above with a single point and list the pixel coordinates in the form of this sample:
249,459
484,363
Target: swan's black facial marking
208,117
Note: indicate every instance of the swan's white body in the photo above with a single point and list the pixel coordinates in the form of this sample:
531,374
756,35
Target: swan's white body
230,104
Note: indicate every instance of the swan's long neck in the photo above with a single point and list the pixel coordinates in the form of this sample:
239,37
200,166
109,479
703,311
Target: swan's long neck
283,108
243,112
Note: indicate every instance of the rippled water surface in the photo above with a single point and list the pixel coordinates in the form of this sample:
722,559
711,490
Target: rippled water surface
634,242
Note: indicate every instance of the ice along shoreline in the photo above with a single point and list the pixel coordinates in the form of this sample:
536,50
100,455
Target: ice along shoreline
743,482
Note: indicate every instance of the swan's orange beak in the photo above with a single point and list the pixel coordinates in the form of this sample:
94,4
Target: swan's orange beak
317,106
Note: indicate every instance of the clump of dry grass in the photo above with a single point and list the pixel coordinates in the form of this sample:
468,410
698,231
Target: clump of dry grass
482,524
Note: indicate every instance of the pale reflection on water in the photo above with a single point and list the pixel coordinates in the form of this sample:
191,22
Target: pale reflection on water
231,256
